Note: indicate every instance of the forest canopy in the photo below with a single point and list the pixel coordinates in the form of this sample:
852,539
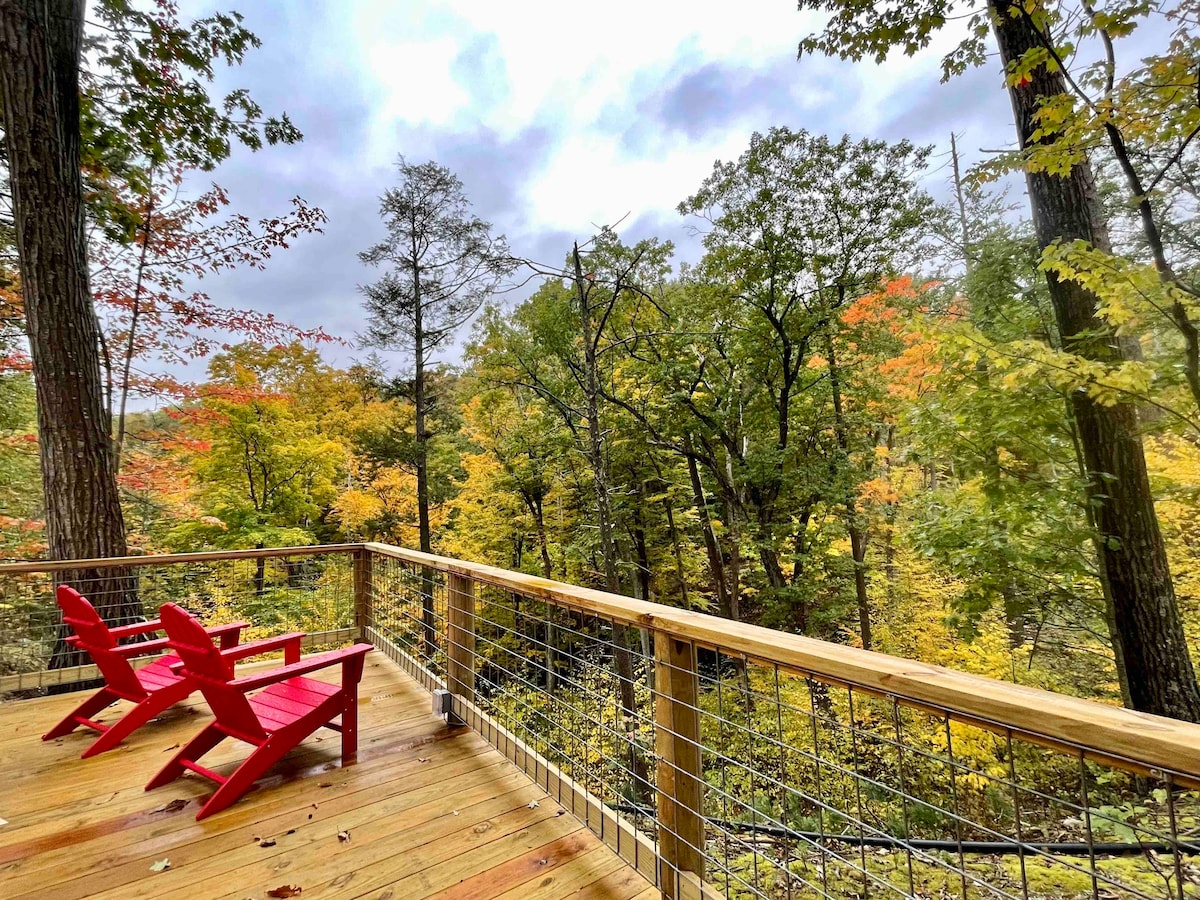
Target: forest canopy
861,414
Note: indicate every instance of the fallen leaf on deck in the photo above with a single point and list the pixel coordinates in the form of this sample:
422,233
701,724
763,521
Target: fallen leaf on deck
291,831
422,759
325,784
267,842
286,890
161,866
533,804
344,836
174,806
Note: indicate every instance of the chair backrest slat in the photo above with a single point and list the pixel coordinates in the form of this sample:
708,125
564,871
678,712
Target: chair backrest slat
96,638
204,662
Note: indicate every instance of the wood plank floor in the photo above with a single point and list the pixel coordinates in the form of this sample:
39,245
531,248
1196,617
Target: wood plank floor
429,811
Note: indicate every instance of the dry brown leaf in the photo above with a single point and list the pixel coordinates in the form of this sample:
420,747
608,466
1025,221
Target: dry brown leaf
174,806
286,890
267,842
344,836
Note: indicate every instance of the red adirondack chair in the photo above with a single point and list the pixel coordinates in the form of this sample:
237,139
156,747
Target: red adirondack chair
274,720
153,688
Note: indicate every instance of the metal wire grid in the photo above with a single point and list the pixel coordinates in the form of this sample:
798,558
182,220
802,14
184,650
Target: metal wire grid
812,789
310,593
408,609
824,790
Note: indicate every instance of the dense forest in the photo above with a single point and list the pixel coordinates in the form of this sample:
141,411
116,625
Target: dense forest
949,412
863,415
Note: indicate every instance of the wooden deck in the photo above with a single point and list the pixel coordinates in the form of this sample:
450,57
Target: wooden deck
429,811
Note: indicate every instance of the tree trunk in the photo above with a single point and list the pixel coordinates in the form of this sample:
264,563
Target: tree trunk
608,544
421,447
854,524
1132,555
40,45
716,565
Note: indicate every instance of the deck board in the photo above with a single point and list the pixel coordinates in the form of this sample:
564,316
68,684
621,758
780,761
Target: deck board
430,810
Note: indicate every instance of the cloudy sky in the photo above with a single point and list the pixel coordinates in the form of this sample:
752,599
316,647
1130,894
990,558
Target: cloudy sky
554,122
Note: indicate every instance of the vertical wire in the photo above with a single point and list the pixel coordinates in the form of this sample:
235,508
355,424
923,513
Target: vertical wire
750,769
1087,821
962,863
862,818
724,756
1169,782
783,799
823,853
1016,798
903,789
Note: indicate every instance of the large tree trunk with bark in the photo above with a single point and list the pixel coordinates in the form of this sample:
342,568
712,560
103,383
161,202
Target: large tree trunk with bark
40,45
1131,553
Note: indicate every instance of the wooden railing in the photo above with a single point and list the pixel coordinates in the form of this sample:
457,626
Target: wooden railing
623,709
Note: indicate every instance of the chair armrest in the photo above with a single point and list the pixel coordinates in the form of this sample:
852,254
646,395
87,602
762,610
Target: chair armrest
309,664
141,648
266,645
227,635
124,631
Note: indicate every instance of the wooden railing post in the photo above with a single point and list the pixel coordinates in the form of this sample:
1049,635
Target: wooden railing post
460,637
680,779
362,591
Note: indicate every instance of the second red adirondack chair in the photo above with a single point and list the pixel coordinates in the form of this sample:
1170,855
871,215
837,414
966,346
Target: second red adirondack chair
153,688
287,710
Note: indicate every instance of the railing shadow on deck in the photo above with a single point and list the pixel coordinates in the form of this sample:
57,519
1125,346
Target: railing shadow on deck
720,759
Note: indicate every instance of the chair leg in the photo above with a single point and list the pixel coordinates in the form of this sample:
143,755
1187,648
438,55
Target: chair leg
350,729
152,706
250,770
208,738
100,700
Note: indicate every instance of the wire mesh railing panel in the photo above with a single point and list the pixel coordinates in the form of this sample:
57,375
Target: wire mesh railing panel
769,773
309,592
817,789
808,786
408,611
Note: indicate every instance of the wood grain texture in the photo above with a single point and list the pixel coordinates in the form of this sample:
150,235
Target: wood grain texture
427,809
1109,734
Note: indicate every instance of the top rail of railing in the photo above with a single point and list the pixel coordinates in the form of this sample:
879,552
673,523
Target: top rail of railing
1121,737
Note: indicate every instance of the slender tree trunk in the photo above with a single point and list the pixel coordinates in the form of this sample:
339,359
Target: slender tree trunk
964,234
854,524
716,565
40,47
539,519
608,543
134,316
421,448
1132,554
677,552
260,573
